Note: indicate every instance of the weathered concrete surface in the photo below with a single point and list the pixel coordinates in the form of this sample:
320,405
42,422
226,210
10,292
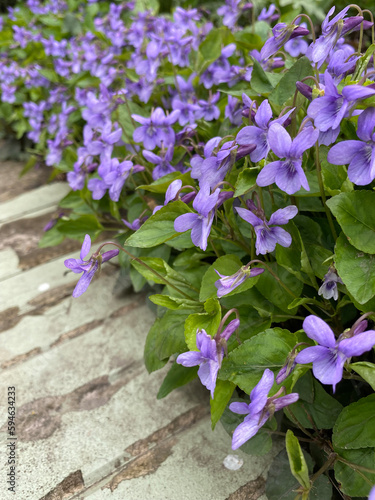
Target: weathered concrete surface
88,422
36,202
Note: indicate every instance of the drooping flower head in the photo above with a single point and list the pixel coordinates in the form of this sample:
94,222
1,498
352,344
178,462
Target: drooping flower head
200,223
329,356
87,267
328,110
227,284
260,409
282,32
332,30
329,287
209,355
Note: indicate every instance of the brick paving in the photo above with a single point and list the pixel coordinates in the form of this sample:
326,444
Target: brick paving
88,422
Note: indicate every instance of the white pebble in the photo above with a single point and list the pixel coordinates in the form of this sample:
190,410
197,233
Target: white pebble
44,287
233,462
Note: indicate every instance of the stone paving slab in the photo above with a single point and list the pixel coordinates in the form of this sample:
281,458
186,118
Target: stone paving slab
33,202
88,422
62,320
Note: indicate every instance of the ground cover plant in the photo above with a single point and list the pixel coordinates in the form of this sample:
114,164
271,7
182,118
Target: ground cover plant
230,151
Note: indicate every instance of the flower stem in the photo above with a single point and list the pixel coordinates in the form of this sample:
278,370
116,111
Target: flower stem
322,193
330,461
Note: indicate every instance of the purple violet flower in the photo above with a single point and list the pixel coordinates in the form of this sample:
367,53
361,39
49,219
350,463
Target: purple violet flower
329,356
328,111
170,194
226,284
209,355
282,32
297,46
266,236
268,15
155,130
88,267
260,409
329,286
287,174
162,162
207,109
359,154
196,161
136,224
200,223
233,111
258,134
331,32
230,12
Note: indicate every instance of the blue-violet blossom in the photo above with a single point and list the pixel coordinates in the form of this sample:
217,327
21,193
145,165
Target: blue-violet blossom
88,267
287,174
329,356
260,409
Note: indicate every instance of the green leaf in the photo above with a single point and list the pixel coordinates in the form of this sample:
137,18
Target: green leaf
151,360
314,401
161,185
297,461
355,483
271,289
156,264
159,227
210,48
51,238
29,165
355,426
366,370
299,302
286,87
124,112
177,376
259,80
174,302
282,485
356,269
222,395
246,180
170,338
355,212
363,62
50,74
247,41
245,365
290,257
209,321
79,227
335,178
227,265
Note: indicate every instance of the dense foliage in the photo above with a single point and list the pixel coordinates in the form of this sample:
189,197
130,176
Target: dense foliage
231,152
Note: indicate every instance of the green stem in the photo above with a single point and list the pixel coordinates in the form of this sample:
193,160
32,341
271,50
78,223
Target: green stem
213,247
140,261
355,466
331,460
322,193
